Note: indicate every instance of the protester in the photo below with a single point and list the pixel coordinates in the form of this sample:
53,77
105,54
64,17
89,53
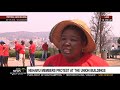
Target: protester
17,46
45,51
1,54
6,49
22,52
73,38
32,49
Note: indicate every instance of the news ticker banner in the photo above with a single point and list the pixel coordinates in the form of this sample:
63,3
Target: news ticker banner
24,18
13,18
59,71
73,70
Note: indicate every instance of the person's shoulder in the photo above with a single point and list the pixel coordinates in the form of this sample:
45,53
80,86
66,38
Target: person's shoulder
53,57
19,45
6,45
95,57
52,60
95,60
33,44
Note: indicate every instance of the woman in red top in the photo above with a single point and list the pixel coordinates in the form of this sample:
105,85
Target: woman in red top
5,54
73,38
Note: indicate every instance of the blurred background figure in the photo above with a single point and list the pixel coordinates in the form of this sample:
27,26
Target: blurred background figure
32,50
112,48
1,54
22,52
17,46
45,51
6,49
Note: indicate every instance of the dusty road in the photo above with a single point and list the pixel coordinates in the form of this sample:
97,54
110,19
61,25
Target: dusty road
113,62
13,62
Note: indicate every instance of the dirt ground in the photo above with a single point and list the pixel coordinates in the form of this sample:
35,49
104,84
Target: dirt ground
113,62
13,62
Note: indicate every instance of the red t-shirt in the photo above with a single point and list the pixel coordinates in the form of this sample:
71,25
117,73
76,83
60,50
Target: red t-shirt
1,50
86,60
22,49
45,47
5,50
17,46
32,48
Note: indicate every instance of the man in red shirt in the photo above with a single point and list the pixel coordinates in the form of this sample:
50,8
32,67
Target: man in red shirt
1,53
32,50
17,46
5,54
45,51
73,38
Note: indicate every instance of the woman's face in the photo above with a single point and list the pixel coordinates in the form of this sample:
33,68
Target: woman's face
71,44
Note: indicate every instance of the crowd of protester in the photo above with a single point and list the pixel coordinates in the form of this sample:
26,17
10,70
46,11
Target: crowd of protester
20,52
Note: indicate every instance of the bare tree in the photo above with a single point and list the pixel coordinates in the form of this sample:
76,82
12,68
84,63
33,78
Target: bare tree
100,30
